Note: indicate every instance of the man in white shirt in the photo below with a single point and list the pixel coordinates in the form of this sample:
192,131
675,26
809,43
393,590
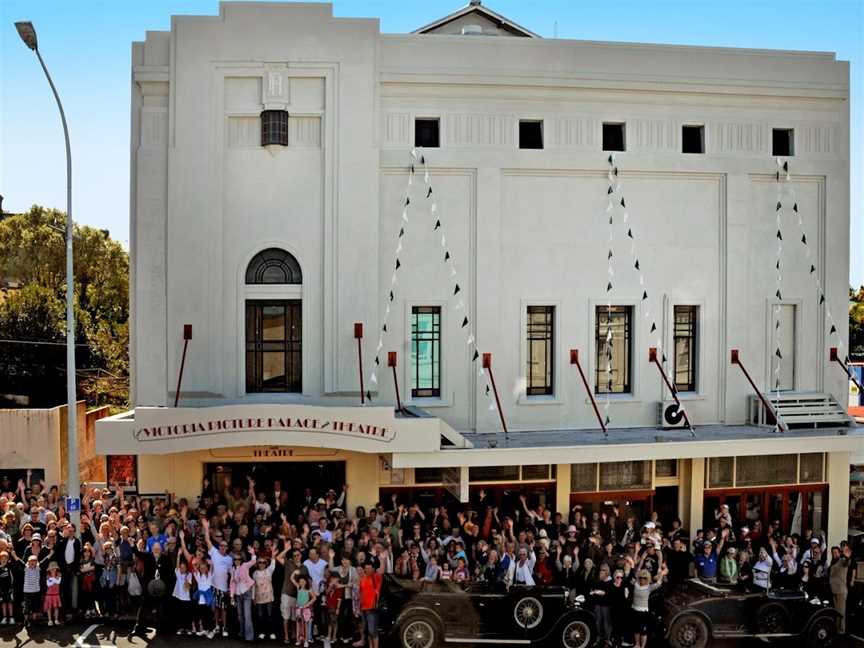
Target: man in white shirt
222,563
524,574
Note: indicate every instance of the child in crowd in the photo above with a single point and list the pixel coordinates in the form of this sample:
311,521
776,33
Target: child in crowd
181,598
32,588
305,601
332,600
263,596
203,603
51,603
7,589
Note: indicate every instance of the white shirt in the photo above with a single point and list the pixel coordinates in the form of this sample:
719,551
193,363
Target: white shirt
69,554
316,572
180,591
221,568
524,574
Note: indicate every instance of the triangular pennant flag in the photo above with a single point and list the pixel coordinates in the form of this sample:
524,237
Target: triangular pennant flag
384,328
610,222
779,235
833,330
487,390
778,294
373,378
607,421
812,268
446,256
779,206
609,191
401,232
391,295
777,325
422,159
630,233
804,239
412,169
637,264
437,225
609,256
377,361
778,354
622,202
609,385
476,355
398,263
653,327
664,358
786,165
795,208
465,322
777,175
615,170
407,200
609,286
644,294
611,159
457,289
777,265
368,395
821,299
429,193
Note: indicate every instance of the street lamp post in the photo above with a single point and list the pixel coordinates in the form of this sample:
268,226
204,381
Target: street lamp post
28,35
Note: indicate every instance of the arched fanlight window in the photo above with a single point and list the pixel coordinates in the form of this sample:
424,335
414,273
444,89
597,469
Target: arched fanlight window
274,127
273,266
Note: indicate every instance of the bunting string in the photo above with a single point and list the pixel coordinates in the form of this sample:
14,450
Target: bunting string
618,201
777,333
610,274
787,190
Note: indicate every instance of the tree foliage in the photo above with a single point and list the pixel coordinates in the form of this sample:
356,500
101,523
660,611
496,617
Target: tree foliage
33,255
856,323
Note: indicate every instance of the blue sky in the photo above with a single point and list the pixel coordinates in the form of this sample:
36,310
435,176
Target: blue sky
87,45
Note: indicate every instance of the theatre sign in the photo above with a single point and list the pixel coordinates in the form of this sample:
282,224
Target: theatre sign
160,430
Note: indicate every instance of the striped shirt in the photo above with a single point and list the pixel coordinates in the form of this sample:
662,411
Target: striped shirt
31,580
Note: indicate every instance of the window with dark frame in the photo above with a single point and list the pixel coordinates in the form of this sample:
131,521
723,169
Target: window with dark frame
782,142
426,133
274,346
692,139
426,351
530,134
541,347
613,136
274,127
686,327
616,319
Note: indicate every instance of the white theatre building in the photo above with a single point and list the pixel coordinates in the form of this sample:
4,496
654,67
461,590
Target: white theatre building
272,151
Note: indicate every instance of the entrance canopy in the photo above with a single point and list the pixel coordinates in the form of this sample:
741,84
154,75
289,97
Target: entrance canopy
163,430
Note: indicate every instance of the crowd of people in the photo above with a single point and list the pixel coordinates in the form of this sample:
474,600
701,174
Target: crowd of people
249,560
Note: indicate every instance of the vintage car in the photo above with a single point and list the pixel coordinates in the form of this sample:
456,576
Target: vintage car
426,615
696,612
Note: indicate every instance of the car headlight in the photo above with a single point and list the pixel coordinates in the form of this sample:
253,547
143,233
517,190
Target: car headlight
580,598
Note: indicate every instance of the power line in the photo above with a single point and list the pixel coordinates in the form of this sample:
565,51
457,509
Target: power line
38,342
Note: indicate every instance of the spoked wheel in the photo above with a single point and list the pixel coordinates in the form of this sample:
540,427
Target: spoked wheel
419,632
822,633
528,612
689,631
576,634
772,618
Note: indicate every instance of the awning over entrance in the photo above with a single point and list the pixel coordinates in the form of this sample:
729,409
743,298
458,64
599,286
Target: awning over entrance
163,430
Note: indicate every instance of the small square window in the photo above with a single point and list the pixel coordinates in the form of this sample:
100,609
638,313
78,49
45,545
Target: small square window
426,133
693,139
530,134
613,137
782,142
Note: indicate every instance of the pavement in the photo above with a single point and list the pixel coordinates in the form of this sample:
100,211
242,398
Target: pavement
116,635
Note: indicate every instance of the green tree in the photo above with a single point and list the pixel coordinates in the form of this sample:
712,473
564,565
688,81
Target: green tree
856,323
33,254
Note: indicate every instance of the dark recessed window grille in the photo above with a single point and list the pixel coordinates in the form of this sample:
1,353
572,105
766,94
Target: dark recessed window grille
274,127
692,139
613,137
273,266
782,142
426,133
615,319
531,134
686,327
426,351
274,345
541,347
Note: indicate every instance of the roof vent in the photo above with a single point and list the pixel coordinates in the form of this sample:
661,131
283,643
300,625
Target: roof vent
472,30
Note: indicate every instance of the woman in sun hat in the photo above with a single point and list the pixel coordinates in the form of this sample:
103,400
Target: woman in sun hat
51,602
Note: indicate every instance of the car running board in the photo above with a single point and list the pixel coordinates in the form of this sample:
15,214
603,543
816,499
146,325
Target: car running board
470,640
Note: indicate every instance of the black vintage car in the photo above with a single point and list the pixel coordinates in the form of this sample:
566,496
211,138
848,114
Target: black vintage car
696,612
426,615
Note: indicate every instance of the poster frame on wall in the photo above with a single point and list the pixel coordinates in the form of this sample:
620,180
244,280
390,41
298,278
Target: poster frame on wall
131,460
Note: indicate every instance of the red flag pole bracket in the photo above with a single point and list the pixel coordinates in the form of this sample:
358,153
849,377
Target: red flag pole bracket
736,360
574,360
358,335
487,365
652,357
836,358
187,335
391,362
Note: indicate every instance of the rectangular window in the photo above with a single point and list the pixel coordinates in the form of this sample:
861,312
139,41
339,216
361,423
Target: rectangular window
428,475
541,347
811,467
767,470
426,133
613,353
493,473
782,142
583,477
537,472
426,351
720,472
666,468
693,139
613,137
530,134
274,346
685,330
625,475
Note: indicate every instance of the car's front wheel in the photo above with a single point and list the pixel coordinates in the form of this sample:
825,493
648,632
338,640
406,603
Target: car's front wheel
419,630
822,633
689,631
576,633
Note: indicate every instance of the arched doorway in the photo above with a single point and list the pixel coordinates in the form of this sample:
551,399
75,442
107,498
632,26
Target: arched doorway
274,323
